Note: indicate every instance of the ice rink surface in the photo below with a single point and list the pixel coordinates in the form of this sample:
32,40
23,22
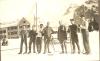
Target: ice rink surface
10,52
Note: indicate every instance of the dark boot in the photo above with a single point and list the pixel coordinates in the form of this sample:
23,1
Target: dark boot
20,53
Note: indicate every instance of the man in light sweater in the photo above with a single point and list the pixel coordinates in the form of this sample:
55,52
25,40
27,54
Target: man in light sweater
85,35
39,38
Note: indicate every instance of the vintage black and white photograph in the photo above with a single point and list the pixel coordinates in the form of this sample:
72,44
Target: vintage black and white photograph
49,30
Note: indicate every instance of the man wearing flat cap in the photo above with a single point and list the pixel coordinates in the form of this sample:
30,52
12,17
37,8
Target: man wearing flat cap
74,37
32,36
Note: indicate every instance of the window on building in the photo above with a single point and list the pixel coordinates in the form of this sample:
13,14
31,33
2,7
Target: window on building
14,27
12,33
11,28
4,31
8,28
4,36
24,21
0,32
28,26
20,26
8,33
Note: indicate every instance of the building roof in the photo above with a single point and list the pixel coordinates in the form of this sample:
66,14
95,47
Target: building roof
9,24
23,21
14,23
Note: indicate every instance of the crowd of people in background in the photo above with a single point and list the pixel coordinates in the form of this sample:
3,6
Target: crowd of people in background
44,34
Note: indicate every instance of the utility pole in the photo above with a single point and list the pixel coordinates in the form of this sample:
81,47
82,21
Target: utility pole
36,16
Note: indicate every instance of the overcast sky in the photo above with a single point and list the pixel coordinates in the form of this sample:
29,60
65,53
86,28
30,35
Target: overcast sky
48,10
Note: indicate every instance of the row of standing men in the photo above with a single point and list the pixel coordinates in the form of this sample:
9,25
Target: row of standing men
36,37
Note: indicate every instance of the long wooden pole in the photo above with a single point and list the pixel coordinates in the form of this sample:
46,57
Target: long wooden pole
99,19
36,15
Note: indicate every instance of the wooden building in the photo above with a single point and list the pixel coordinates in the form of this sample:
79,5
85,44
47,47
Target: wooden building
13,30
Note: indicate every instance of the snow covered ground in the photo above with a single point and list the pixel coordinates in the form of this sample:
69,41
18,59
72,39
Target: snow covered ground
10,52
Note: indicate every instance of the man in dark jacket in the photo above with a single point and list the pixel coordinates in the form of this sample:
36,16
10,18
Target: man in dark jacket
23,34
74,37
32,35
93,25
62,36
47,37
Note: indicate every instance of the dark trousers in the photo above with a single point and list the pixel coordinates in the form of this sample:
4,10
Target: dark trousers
74,39
46,43
21,45
85,40
32,40
63,46
38,43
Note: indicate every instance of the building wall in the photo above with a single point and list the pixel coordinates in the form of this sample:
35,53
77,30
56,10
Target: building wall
3,33
12,32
